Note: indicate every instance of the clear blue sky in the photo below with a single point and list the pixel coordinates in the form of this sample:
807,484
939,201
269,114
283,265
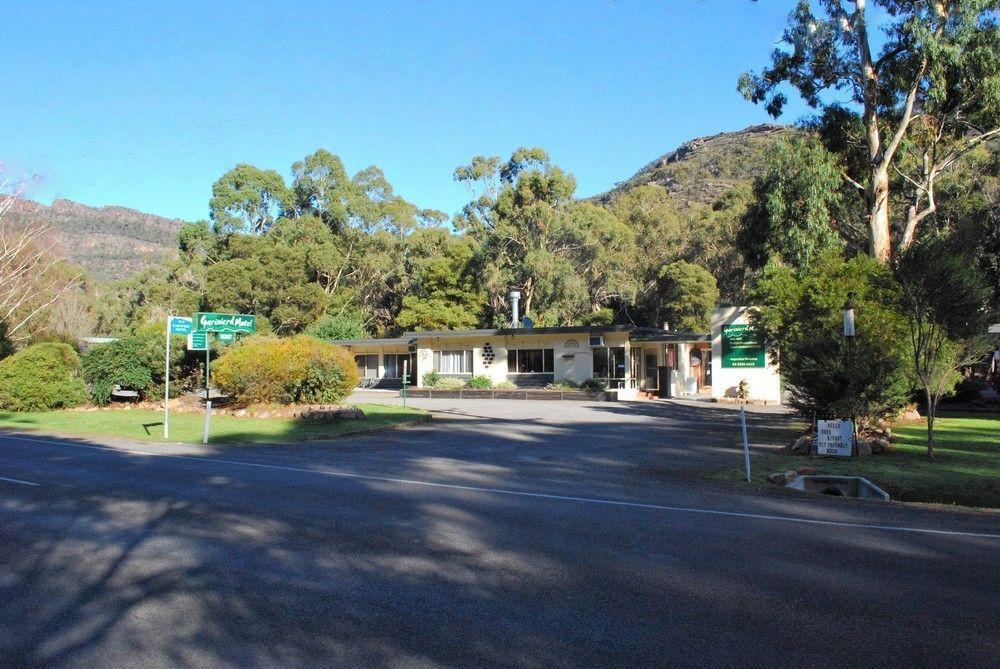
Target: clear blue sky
146,104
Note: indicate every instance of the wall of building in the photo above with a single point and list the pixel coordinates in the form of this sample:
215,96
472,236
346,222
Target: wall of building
764,382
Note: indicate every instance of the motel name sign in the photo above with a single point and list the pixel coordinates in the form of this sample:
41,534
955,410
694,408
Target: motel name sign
225,323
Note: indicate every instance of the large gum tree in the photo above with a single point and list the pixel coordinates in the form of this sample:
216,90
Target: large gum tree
924,76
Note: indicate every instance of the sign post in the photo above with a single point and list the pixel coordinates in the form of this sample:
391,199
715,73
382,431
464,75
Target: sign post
226,327
175,325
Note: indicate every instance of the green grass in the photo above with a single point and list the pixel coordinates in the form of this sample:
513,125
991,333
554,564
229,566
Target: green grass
966,468
148,425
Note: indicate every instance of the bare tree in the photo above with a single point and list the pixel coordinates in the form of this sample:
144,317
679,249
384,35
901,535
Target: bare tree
29,282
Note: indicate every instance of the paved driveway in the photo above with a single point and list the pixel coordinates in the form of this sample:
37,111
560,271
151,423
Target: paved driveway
510,535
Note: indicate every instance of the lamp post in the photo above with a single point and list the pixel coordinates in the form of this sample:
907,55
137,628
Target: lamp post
850,333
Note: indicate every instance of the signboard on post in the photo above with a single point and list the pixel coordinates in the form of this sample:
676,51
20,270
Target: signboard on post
198,341
179,325
742,347
834,437
233,323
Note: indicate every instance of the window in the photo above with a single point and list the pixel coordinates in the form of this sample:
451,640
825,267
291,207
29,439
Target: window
396,363
530,361
609,365
367,366
453,362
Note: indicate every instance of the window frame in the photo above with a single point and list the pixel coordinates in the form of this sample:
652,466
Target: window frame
514,358
465,355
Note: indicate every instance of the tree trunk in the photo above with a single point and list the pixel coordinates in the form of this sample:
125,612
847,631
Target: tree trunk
878,220
930,425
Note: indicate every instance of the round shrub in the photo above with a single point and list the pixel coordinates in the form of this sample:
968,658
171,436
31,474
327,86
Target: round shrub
122,363
449,383
431,379
300,369
483,382
41,377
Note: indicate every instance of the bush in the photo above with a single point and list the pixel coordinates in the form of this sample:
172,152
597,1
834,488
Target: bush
122,363
449,383
431,379
301,369
41,377
506,385
594,385
6,345
564,384
482,382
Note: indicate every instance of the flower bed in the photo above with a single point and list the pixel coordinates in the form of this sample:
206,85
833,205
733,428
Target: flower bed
515,394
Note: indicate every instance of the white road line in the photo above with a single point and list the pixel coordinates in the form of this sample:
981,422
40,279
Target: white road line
4,478
521,493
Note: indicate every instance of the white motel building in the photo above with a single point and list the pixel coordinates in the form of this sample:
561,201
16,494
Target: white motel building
626,358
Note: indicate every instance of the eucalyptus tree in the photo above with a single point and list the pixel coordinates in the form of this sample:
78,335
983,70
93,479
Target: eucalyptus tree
248,199
932,86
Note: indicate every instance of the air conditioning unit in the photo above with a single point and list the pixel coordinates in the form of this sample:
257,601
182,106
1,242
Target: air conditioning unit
597,340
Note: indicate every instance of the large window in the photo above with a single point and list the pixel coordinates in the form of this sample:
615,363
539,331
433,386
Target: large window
609,365
529,361
395,363
367,365
453,362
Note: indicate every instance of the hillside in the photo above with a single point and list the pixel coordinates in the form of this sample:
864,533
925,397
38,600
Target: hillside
701,170
109,242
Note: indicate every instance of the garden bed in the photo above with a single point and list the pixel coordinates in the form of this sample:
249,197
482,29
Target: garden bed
514,394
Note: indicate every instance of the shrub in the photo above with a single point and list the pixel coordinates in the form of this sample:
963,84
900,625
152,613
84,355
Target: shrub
123,363
482,382
41,377
301,369
594,385
6,345
449,383
564,384
431,379
506,385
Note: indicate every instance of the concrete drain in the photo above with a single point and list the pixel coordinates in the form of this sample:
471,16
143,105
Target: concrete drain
838,486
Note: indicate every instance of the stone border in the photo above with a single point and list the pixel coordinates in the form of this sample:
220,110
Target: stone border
514,394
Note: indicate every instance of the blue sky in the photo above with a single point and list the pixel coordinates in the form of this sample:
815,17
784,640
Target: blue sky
146,104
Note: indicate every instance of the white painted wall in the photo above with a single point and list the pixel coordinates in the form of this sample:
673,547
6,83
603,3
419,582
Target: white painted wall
765,383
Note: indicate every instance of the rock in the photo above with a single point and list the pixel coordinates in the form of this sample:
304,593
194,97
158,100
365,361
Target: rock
805,471
777,479
880,445
864,447
802,445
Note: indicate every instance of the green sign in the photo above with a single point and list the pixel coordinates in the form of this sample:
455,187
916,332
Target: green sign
198,341
180,325
209,322
741,347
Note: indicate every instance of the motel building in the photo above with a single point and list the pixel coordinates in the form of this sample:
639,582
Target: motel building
628,359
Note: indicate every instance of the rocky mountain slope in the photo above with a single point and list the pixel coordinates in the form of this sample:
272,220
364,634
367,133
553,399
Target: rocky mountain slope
109,242
701,170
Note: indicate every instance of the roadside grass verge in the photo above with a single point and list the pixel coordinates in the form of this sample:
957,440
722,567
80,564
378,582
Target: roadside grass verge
965,471
142,425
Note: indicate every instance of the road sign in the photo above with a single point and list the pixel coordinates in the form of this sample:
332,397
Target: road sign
212,322
834,437
198,341
180,325
741,347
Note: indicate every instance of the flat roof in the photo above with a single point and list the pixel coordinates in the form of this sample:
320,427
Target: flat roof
636,333
384,342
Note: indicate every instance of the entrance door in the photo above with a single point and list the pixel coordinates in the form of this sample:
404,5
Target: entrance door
708,366
651,377
695,360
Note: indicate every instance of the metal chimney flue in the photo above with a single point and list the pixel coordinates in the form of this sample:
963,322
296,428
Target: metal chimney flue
515,299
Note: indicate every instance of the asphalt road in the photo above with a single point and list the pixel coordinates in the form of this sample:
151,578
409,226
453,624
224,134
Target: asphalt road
515,536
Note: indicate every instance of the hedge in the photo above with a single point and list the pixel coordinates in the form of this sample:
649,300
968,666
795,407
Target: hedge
41,377
296,370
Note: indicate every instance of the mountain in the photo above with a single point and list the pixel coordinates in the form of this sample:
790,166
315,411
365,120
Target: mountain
701,170
109,242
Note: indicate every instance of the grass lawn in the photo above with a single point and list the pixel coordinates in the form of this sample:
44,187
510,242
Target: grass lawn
966,468
184,427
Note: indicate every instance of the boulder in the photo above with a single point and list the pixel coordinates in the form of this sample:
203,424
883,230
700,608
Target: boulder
802,445
864,447
880,445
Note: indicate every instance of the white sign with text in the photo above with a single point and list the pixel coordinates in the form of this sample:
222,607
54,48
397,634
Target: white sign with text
834,437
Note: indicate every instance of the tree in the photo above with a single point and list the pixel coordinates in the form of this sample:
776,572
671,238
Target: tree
248,199
31,278
566,258
338,327
445,292
322,187
945,301
938,63
800,317
686,294
795,208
